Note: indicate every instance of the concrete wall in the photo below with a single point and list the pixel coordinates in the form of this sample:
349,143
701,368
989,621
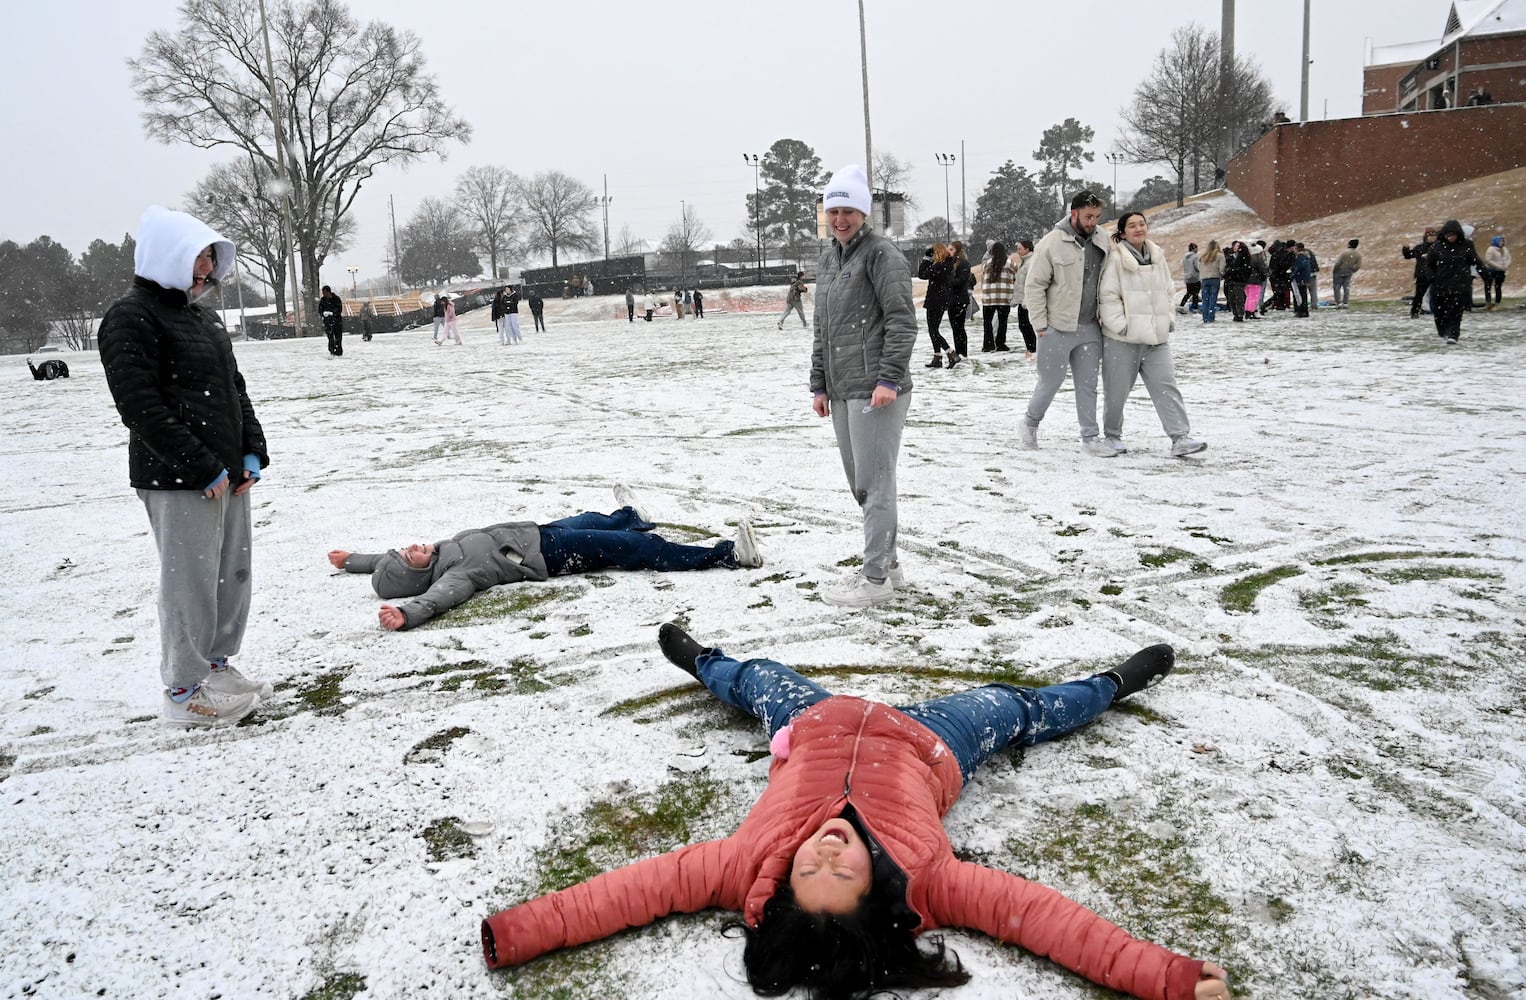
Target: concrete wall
1309,170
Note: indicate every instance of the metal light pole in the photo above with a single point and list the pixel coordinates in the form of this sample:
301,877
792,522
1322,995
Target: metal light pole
964,221
605,202
1114,159
863,60
353,292
757,211
1303,86
946,160
683,249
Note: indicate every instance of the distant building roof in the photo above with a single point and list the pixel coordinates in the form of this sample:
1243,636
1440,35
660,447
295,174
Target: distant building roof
1465,19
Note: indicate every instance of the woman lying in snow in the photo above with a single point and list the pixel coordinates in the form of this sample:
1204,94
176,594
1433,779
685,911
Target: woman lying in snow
442,575
844,859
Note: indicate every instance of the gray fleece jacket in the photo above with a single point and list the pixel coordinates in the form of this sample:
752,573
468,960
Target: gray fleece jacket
866,324
471,561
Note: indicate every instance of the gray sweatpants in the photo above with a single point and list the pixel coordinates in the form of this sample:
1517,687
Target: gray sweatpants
794,307
869,444
1121,364
204,581
1080,353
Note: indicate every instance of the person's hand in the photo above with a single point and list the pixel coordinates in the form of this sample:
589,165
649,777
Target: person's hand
245,484
882,397
217,489
1040,333
1213,985
391,619
820,405
337,558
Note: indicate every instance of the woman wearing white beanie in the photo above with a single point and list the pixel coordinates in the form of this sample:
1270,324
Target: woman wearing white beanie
866,326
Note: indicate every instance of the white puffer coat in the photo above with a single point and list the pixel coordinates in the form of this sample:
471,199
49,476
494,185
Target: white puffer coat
1137,303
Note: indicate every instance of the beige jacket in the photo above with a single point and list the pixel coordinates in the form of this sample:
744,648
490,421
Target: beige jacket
1052,291
1137,302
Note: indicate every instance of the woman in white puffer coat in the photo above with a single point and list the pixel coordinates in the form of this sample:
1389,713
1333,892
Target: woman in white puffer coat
1137,303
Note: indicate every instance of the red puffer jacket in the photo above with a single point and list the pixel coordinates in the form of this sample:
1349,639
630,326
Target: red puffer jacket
901,779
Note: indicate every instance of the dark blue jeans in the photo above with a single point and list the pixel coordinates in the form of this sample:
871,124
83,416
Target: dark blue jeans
585,543
974,724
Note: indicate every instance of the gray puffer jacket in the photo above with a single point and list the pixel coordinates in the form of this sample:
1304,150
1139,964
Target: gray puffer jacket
866,324
471,561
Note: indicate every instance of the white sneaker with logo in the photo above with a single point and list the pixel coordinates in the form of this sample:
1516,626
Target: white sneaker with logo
858,591
207,709
228,680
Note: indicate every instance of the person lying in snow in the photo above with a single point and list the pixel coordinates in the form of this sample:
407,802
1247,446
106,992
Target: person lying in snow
442,575
843,861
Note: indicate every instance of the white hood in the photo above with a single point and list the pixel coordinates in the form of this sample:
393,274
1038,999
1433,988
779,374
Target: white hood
168,244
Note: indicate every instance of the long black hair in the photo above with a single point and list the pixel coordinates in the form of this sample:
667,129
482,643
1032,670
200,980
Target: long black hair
851,956
998,259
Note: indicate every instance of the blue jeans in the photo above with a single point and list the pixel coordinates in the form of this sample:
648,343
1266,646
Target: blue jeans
1210,298
588,542
973,724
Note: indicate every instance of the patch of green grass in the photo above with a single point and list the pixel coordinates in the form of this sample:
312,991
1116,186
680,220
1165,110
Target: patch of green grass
1203,533
1338,597
1120,533
39,693
1072,530
1414,574
618,831
1151,878
851,561
338,986
7,761
766,602
1163,557
1081,602
1241,595
1111,589
981,620
581,630
322,693
444,840
1367,557
503,602
1056,621
435,745
949,543
775,578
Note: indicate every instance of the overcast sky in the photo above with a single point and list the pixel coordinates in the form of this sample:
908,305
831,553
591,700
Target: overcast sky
664,96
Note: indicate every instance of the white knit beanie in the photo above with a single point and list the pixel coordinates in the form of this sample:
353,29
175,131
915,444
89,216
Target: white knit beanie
848,188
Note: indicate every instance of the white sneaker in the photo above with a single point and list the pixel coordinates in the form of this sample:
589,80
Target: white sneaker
746,551
627,497
1186,446
228,680
1098,449
857,592
1027,436
1117,445
206,708
896,577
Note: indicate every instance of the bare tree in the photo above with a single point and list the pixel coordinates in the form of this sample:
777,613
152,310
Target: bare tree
437,244
351,99
490,197
892,174
236,199
684,237
559,215
628,244
1175,117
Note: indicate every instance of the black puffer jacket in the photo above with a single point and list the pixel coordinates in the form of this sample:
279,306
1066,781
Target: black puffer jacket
1450,264
170,366
1237,266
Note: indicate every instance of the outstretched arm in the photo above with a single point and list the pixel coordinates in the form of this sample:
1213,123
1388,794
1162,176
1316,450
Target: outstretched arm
682,881
1040,920
354,562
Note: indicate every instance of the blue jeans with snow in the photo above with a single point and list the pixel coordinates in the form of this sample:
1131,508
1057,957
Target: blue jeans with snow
973,724
588,542
1210,298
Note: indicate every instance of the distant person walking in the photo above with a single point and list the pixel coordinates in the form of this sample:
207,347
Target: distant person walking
1061,295
865,329
537,310
439,318
699,304
1496,264
937,269
367,322
194,451
452,331
1137,318
331,308
794,300
1347,264
1192,277
630,306
1422,271
1450,264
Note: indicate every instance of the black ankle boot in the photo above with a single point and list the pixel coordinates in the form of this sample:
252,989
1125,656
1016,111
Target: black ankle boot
936,362
680,649
1144,669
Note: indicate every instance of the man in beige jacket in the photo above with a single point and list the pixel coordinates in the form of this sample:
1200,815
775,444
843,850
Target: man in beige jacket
1061,296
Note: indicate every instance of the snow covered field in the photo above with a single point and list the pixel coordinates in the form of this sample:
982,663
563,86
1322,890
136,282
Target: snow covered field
1328,797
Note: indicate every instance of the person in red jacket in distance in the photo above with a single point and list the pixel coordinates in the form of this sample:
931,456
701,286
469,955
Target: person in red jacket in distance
843,861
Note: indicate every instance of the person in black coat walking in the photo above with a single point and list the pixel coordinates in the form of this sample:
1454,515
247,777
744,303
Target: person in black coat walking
936,269
331,308
194,451
1422,271
1450,264
537,309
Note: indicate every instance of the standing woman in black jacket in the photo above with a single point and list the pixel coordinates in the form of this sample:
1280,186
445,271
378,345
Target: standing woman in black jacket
959,282
1237,274
194,451
1450,263
936,268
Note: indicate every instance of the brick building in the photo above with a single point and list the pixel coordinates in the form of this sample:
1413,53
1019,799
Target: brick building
1482,48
